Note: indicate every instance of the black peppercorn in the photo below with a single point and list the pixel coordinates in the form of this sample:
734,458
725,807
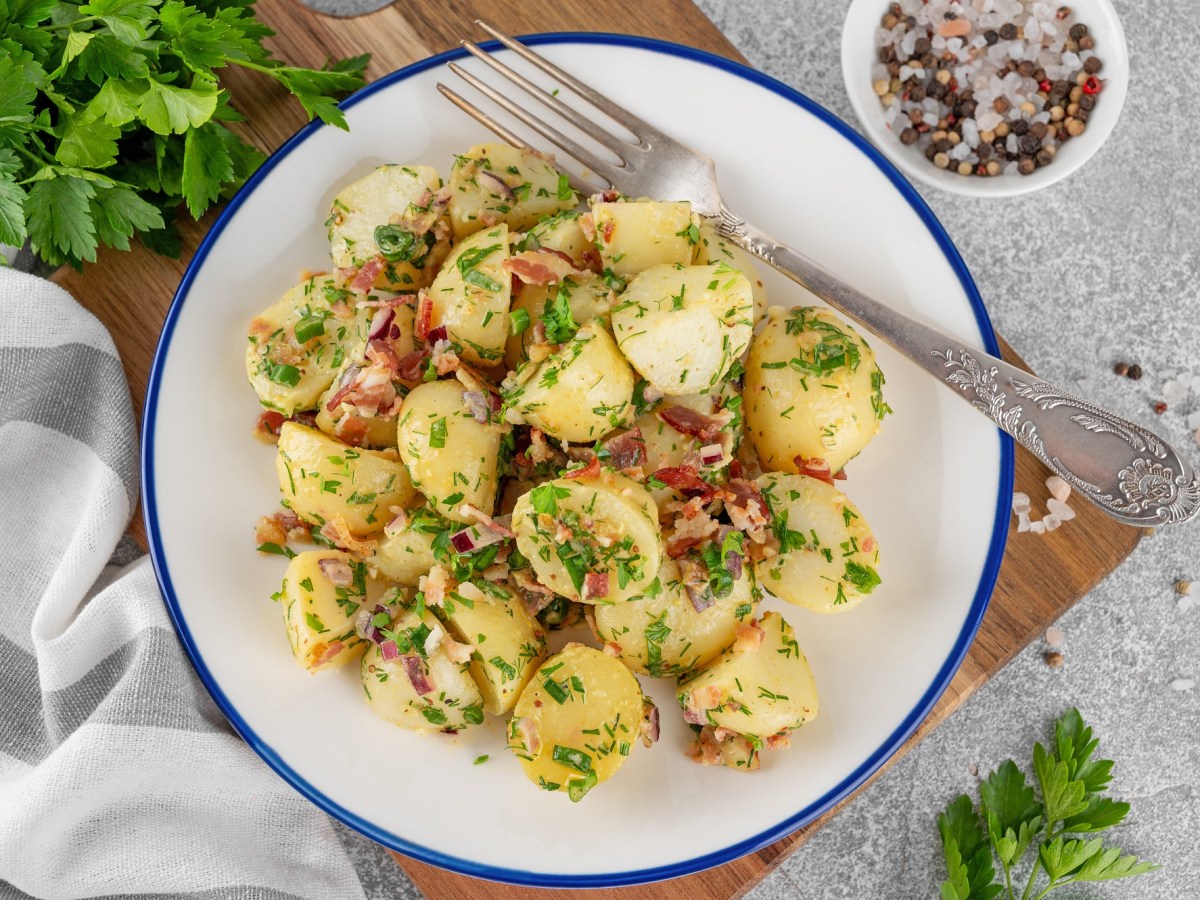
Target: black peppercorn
1135,372
1092,65
1008,31
1044,157
984,150
1019,127
917,93
887,54
1039,129
908,136
1026,166
1029,144
1087,101
1078,31
1025,68
991,36
921,47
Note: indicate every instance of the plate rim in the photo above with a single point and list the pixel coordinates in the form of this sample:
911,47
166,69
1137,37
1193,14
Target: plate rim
846,786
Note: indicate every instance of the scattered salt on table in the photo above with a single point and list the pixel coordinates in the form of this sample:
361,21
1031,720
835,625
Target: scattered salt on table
1193,420
1058,488
1059,510
1174,392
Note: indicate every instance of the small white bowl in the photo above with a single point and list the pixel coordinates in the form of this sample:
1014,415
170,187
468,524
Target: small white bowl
859,54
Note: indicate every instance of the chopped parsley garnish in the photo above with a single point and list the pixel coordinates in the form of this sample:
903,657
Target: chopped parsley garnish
437,433
556,315
308,328
397,245
518,320
282,373
862,577
571,758
467,267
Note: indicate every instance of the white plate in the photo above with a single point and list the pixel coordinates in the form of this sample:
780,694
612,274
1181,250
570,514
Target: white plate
935,485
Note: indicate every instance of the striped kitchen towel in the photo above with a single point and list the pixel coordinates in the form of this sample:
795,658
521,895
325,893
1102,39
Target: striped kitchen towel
118,775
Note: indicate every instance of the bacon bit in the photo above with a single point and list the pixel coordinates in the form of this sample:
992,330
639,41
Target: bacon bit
458,653
364,279
346,385
595,584
537,596
352,429
336,571
587,224
588,472
649,730
747,509
436,585
381,353
686,420
540,450
686,480
323,654
418,675
748,638
869,544
590,257
678,546
626,450
694,716
607,231
780,741
424,318
493,525
612,648
338,533
705,749
412,367
259,327
692,508
541,266
269,531
445,360
814,467
529,735
269,423
342,274
839,475
710,697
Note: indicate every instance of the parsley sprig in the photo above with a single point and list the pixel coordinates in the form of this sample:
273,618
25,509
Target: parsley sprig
113,114
1072,785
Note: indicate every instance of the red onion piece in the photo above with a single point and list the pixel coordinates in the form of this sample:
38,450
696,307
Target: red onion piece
494,183
472,538
364,279
591,470
650,726
389,651
477,405
437,334
381,323
417,676
711,454
346,385
814,468
733,562
694,716
337,571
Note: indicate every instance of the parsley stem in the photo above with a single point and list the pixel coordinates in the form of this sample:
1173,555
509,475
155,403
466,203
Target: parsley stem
1037,864
69,25
257,67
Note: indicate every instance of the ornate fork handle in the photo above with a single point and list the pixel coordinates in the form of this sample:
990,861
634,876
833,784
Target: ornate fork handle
1127,471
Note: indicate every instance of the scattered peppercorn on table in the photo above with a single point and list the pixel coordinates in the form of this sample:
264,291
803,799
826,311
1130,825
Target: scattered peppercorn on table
1038,580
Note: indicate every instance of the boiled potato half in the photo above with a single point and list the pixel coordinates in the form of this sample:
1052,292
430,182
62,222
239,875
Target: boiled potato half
576,721
635,235
507,642
324,481
828,557
583,297
494,183
451,457
422,689
711,307
297,346
580,393
389,213
470,296
345,421
404,555
664,634
322,592
760,687
667,447
812,390
595,540
561,232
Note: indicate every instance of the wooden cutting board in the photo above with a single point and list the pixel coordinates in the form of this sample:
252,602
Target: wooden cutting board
1041,577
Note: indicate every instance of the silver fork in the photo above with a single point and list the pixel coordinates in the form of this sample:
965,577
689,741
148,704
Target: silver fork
1126,470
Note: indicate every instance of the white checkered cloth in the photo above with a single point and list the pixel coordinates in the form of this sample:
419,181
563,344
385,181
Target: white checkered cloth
118,775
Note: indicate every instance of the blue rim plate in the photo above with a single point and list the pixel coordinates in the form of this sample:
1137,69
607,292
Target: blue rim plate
597,879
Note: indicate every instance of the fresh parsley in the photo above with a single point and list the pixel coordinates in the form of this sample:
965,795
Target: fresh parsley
113,113
1011,819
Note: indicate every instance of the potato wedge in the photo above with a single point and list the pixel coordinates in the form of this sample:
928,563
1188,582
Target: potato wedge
493,183
325,481
828,557
422,689
470,296
635,235
297,345
712,305
812,389
576,721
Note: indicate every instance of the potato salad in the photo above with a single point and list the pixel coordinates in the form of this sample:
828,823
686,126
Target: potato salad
534,450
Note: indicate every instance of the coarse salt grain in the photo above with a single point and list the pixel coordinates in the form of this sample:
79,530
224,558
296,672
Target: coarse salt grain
1059,489
1020,502
1051,522
1193,420
1055,636
1059,510
1183,684
1038,527
1174,392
